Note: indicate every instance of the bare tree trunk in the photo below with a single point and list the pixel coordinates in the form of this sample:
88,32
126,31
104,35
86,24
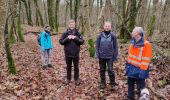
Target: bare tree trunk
71,9
2,18
12,7
142,12
20,34
11,64
101,4
165,21
45,10
152,21
37,19
147,13
50,12
12,31
81,20
76,9
30,13
66,15
86,16
98,5
123,14
27,11
57,15
132,15
39,12
100,21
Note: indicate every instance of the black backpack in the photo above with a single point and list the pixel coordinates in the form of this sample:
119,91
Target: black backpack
39,38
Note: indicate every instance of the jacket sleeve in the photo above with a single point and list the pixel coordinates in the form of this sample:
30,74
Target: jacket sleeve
63,40
97,47
115,48
79,39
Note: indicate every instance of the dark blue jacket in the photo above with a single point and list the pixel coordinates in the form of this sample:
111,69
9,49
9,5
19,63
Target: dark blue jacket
134,71
105,48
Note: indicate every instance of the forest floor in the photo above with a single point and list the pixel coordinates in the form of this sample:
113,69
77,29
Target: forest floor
34,83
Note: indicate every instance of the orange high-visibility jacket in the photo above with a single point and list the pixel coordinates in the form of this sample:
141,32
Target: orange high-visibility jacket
140,56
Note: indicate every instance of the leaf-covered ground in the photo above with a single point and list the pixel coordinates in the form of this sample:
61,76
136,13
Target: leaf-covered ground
34,83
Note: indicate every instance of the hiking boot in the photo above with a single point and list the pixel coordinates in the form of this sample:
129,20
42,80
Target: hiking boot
115,84
50,66
103,86
44,67
67,82
77,82
112,87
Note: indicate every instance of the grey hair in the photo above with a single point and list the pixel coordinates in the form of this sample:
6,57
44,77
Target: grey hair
138,30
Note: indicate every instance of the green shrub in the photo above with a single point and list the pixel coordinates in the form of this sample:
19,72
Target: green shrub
91,47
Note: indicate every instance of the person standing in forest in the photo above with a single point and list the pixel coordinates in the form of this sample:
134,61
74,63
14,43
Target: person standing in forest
46,45
139,57
72,39
107,53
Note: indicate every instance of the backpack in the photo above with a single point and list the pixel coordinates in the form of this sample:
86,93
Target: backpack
39,38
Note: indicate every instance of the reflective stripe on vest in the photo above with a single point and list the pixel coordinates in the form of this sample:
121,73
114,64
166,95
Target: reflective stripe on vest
139,59
143,58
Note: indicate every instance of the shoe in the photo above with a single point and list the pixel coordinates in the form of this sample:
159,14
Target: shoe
67,82
103,86
112,87
49,65
44,67
77,82
115,84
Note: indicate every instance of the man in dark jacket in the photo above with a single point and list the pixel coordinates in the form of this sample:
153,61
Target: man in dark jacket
107,52
72,39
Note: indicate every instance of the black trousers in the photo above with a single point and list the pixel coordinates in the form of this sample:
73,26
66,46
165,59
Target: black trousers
75,61
104,63
131,87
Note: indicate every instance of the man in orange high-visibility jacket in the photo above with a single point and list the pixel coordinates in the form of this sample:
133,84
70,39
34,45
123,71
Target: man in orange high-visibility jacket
139,57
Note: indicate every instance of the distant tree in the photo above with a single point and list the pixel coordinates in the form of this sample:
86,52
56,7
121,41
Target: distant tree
50,12
11,64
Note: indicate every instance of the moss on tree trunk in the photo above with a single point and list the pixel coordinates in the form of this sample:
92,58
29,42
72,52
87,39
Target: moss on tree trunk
19,27
50,12
132,16
11,64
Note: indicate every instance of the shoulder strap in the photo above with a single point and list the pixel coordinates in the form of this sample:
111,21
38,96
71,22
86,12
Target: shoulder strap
112,35
100,38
